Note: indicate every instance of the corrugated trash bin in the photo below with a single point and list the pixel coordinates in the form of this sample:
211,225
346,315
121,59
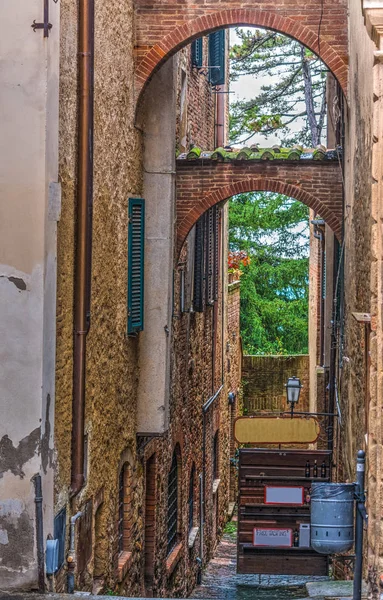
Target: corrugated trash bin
332,517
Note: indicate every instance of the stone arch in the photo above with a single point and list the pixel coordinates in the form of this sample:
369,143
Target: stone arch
259,184
190,30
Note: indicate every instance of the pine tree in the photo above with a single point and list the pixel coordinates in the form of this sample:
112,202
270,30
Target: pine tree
297,89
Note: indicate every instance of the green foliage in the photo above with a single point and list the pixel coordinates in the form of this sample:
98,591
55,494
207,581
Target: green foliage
296,88
231,528
273,229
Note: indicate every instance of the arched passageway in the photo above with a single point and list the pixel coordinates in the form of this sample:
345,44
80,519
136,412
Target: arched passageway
202,183
164,28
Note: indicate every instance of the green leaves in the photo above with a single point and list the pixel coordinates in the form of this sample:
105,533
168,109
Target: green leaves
273,229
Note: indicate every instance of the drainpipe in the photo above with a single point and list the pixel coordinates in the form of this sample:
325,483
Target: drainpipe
201,524
220,116
318,234
39,531
72,554
84,236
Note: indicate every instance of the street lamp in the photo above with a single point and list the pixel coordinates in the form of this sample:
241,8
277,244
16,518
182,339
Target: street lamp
293,389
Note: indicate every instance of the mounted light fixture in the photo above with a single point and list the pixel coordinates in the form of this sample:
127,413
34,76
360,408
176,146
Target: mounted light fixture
293,390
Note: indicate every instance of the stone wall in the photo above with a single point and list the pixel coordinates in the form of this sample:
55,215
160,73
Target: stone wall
116,363
264,378
112,369
362,359
357,242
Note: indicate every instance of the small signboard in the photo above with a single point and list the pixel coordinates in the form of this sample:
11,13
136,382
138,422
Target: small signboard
273,537
274,429
290,495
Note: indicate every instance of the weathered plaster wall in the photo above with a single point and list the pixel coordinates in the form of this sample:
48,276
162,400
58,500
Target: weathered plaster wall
112,367
28,164
357,223
158,187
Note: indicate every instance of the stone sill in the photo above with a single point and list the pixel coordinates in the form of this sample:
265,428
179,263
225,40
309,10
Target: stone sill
124,562
233,285
216,483
192,536
173,558
230,510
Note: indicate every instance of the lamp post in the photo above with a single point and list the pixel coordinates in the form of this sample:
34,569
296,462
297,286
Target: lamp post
293,390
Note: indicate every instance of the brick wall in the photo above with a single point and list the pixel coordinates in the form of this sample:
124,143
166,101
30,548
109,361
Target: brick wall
264,378
196,375
162,28
201,184
195,104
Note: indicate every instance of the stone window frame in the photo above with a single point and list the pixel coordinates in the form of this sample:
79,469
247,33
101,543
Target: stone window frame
191,498
174,551
124,519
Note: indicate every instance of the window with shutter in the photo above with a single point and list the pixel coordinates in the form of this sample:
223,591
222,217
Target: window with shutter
173,501
217,228
197,53
136,265
217,57
59,528
210,253
199,264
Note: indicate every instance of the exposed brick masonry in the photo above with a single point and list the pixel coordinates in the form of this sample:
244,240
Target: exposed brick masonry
162,28
264,379
201,184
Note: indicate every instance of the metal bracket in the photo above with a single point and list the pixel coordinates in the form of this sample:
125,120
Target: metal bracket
46,26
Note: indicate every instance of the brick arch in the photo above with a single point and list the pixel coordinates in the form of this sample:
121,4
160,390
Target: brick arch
187,218
333,54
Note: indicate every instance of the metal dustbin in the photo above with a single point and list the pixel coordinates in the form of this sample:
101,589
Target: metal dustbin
332,517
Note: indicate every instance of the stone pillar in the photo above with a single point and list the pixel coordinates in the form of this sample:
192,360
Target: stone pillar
373,13
159,193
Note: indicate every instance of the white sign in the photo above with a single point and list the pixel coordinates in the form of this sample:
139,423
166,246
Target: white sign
273,537
284,495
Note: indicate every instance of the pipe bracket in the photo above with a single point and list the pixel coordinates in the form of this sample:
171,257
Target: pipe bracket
46,26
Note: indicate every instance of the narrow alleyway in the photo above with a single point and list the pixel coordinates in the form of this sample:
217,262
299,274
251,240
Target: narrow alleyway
220,581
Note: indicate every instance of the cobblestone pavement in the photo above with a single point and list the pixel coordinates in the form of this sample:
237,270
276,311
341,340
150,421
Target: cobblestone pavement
220,580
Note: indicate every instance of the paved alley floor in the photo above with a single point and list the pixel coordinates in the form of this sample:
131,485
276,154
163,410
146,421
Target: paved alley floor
220,580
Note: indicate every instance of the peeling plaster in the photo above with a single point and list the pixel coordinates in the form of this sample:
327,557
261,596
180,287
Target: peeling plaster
12,458
4,539
17,551
17,281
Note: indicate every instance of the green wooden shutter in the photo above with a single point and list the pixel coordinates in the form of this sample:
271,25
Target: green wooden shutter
136,265
217,57
210,223
217,229
197,53
199,271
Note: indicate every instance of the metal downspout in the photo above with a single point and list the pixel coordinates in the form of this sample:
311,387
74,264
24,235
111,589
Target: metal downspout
83,254
39,532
